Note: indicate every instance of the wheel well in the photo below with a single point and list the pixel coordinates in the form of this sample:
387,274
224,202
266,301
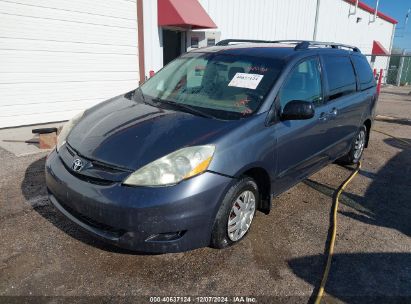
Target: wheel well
367,124
263,181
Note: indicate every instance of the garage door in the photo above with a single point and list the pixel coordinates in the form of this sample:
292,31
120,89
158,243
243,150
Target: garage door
58,57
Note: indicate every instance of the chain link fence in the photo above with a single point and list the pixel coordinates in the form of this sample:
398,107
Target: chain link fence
395,68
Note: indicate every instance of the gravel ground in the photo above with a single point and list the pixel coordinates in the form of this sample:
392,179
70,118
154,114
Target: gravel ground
44,254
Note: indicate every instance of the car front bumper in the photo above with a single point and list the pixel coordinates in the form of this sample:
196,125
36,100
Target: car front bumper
147,219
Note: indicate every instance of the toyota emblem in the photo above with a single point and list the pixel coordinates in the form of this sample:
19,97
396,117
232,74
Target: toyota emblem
77,165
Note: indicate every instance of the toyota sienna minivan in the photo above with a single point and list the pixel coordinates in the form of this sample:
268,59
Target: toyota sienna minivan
186,159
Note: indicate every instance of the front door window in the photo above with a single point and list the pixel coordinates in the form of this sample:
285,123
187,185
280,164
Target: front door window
304,83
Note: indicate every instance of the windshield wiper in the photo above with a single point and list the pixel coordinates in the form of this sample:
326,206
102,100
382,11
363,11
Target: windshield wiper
184,107
141,94
143,98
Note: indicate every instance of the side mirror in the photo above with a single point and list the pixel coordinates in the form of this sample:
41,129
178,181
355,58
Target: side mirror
298,110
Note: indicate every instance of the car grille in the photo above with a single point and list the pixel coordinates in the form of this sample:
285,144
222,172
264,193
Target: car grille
99,173
89,179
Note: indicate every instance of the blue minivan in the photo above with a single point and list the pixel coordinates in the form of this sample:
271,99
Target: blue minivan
186,159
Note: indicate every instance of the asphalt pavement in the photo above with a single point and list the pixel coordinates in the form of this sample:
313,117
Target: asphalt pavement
281,259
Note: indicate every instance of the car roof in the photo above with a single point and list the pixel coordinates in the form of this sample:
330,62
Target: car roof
274,50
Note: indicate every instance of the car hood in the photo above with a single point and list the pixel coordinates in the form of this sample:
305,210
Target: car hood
131,134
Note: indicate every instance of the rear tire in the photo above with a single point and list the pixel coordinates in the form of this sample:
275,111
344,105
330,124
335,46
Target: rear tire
236,213
357,148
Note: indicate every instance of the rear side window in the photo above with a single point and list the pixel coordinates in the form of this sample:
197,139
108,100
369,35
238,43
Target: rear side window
340,76
364,72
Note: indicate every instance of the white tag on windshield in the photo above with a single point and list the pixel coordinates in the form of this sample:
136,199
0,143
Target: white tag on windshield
244,80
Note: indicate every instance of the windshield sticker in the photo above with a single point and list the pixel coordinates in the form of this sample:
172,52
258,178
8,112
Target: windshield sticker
246,111
244,80
258,69
242,102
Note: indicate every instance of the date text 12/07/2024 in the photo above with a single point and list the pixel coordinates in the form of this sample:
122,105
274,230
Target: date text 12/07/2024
203,299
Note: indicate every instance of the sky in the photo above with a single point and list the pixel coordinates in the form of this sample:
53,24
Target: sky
397,9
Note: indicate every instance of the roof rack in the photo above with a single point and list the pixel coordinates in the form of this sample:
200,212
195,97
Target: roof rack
300,44
305,44
228,41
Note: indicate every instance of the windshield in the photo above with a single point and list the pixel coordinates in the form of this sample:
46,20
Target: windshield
219,85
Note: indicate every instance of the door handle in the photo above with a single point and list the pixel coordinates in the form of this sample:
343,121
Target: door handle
333,112
330,115
323,116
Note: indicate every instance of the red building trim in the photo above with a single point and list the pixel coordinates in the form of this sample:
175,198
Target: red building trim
371,10
184,14
378,49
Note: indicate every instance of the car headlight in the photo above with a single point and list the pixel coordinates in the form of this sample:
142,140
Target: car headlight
61,139
173,168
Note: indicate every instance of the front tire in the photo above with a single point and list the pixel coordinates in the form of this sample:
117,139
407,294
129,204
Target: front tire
236,213
357,148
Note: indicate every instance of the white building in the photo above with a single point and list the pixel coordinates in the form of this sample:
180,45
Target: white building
59,57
